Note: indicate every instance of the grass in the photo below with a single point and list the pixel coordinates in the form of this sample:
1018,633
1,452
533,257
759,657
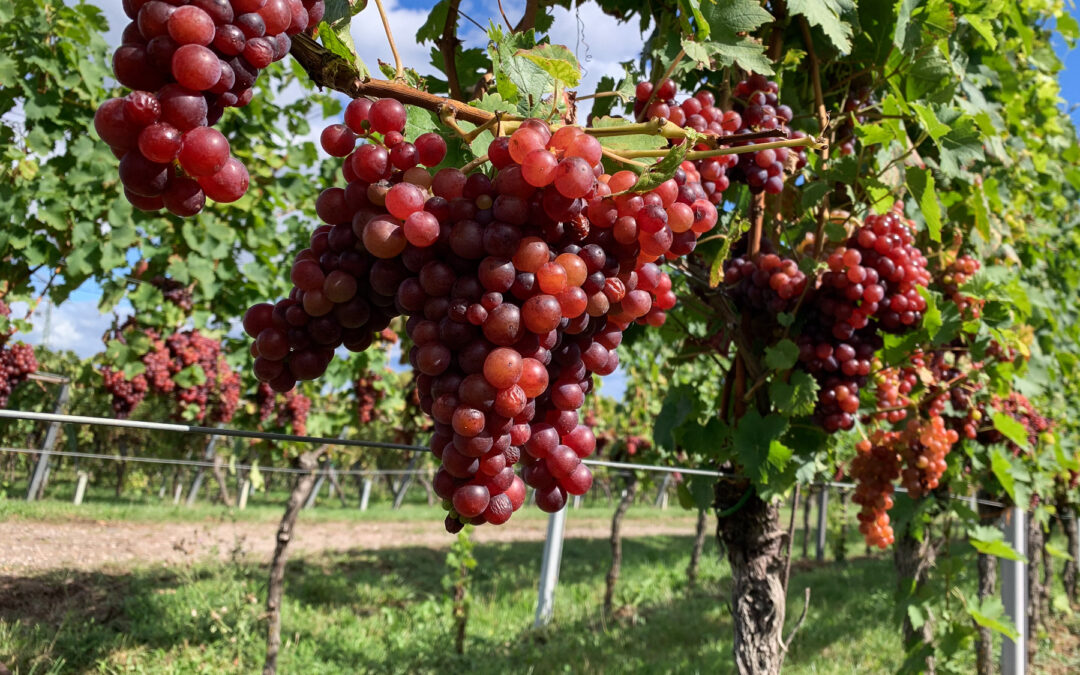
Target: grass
385,611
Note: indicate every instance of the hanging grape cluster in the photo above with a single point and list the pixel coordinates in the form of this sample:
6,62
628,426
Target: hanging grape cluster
17,361
871,287
516,291
288,410
214,399
368,397
186,63
875,468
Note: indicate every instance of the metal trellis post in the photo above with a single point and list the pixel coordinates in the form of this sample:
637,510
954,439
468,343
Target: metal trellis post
549,568
42,467
1014,593
822,523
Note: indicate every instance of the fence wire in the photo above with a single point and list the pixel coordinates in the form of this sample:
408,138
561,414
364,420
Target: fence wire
319,440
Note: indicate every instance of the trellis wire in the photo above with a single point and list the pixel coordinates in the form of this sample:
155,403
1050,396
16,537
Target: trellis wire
266,435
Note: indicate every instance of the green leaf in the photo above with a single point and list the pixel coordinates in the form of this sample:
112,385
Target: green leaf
191,376
825,14
557,61
727,17
782,355
929,121
656,174
677,407
1002,470
916,616
921,184
991,614
339,41
961,146
1011,428
757,445
999,548
982,212
256,477
796,397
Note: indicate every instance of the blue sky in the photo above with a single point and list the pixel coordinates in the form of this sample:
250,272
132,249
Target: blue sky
599,41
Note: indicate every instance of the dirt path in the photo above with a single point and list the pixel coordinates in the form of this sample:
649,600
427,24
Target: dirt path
28,546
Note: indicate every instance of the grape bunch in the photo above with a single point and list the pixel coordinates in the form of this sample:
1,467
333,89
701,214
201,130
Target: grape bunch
891,389
958,273
515,288
368,397
764,282
126,393
923,446
860,99
757,108
185,63
1018,407
174,292
17,362
288,410
216,398
875,468
871,286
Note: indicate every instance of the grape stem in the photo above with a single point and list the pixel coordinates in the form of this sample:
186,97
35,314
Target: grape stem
448,42
398,67
476,163
613,156
805,142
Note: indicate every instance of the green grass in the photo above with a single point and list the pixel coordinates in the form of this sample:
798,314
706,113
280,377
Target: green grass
385,611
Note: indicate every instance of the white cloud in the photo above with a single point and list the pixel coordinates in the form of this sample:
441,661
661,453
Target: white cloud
76,325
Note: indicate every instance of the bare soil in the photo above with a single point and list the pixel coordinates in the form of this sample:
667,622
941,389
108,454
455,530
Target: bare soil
35,547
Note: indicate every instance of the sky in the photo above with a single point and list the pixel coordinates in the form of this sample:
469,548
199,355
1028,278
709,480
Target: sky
599,42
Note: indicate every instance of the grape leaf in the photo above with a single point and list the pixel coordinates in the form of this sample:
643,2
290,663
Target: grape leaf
960,146
656,174
678,405
338,40
557,61
1011,429
921,184
782,355
728,23
825,14
998,548
991,614
733,16
795,397
757,443
929,121
1002,470
982,214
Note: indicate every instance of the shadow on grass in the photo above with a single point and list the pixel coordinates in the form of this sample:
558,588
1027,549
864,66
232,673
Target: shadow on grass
385,611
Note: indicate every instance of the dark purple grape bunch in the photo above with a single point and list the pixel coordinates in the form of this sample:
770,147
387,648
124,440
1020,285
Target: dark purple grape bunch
186,63
756,107
17,363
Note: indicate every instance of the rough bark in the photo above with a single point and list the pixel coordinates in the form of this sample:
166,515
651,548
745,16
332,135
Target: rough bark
749,530
309,462
913,560
699,546
1069,574
984,646
1035,608
219,476
616,544
1047,573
